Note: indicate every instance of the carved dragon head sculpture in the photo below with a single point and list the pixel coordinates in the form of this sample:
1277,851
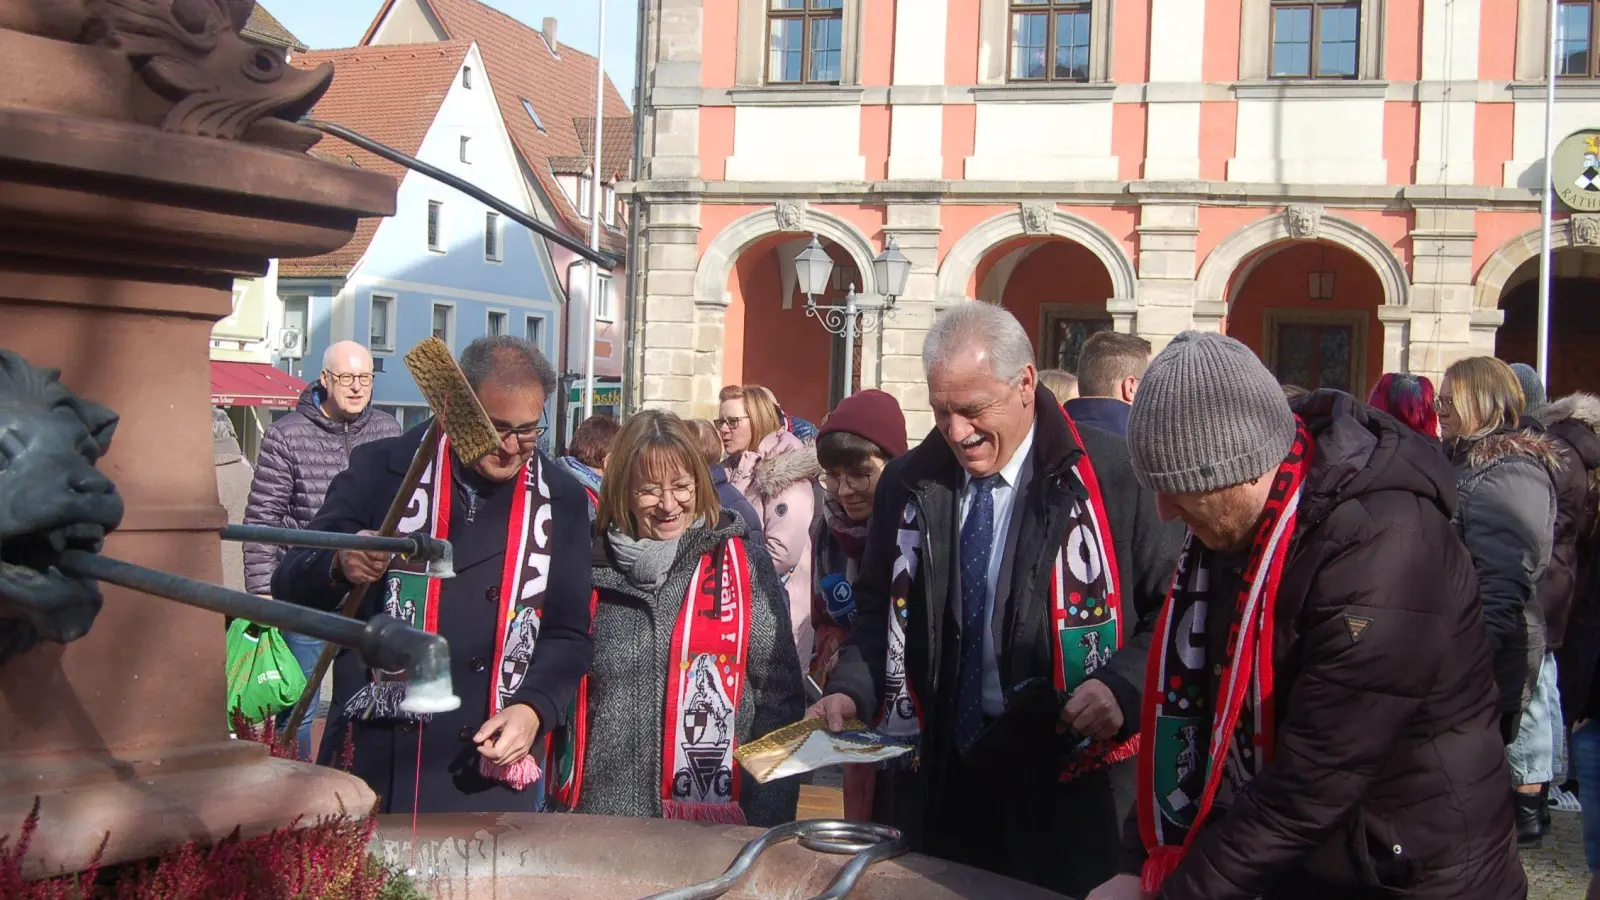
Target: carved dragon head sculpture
205,79
52,498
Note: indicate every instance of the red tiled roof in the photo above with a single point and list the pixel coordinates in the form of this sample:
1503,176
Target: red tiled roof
264,28
390,94
561,90
616,142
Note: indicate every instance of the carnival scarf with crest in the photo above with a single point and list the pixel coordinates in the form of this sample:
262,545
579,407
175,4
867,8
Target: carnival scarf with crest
705,679
412,597
1235,739
1085,615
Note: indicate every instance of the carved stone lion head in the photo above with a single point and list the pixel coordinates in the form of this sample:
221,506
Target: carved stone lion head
52,498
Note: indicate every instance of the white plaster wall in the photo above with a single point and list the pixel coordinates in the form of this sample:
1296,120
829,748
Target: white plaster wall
1043,142
1527,142
1173,135
1445,137
797,143
1450,40
1176,48
915,140
1334,141
919,41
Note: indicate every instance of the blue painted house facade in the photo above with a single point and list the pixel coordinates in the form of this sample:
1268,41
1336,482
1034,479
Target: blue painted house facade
444,264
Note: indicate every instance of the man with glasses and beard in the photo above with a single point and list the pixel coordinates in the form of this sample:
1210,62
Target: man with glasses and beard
516,614
300,454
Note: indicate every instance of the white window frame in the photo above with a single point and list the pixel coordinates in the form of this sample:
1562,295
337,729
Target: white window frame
994,46
488,321
610,198
604,308
537,339
533,113
494,224
466,144
436,242
1255,45
373,300
466,77
450,321
750,55
585,196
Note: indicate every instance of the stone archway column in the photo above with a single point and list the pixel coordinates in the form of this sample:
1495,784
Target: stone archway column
671,365
1396,322
1443,326
916,229
1164,297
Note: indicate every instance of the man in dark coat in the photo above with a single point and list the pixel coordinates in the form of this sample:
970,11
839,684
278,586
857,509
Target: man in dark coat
1574,423
512,379
300,454
1003,512
1109,368
1324,546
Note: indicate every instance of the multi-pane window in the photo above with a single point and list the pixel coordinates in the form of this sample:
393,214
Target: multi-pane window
491,236
379,335
534,330
444,320
611,205
585,196
435,215
1315,38
602,304
1049,40
805,41
497,324
1575,40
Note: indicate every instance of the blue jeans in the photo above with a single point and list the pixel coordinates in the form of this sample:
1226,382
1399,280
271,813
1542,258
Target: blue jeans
1586,768
1532,754
305,650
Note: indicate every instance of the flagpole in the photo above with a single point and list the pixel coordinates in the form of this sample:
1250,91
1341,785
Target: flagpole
1547,211
595,213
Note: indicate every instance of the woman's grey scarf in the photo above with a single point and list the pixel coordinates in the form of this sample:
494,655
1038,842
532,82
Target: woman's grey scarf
642,561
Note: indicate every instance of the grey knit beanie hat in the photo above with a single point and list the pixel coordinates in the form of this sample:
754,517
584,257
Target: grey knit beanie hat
1208,415
1532,388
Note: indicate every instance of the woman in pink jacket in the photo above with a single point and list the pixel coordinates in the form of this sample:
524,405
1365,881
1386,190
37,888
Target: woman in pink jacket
776,472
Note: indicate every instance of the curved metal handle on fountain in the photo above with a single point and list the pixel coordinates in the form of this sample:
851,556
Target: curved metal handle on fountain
866,842
384,643
415,546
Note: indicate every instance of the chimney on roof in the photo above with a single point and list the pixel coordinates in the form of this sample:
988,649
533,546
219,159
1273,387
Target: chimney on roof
550,33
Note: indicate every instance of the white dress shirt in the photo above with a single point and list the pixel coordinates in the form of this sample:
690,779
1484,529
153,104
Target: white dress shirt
1013,480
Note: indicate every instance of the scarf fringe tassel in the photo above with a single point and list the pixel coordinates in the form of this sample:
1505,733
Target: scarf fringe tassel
719,813
1162,862
518,775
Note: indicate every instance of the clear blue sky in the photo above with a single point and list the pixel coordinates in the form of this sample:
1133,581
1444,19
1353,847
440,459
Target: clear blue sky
325,24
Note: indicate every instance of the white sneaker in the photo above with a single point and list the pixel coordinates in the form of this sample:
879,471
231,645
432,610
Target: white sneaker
1562,800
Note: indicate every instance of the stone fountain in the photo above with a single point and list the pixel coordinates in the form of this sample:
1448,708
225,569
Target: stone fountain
148,156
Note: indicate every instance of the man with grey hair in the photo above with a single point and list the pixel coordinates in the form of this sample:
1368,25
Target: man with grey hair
1012,572
300,454
1109,368
1319,712
516,613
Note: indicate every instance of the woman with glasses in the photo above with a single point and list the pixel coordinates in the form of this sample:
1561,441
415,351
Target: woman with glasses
776,472
862,434
1506,513
693,655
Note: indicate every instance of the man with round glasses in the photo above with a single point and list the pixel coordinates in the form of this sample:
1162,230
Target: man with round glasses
300,455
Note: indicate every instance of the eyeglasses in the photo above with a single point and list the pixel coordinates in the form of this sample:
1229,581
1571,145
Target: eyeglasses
1443,404
346,379
856,482
728,423
523,433
652,495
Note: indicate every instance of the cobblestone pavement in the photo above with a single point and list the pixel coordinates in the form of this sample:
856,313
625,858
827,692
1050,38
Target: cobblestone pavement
1556,871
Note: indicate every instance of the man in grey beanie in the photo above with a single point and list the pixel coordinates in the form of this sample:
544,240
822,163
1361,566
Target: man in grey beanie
1533,393
1319,710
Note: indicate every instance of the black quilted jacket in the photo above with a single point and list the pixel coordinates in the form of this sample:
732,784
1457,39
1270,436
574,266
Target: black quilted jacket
300,454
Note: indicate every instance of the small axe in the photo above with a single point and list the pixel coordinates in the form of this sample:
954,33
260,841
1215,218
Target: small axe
456,414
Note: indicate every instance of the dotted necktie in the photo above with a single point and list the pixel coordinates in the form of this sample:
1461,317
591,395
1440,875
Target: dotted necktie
977,546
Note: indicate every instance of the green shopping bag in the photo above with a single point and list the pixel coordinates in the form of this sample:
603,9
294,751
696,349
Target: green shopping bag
264,678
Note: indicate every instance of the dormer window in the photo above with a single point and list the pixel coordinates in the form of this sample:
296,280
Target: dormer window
585,196
611,205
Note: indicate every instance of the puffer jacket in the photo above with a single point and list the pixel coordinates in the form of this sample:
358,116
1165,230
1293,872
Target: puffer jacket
1506,516
1573,422
1388,777
777,478
627,688
300,454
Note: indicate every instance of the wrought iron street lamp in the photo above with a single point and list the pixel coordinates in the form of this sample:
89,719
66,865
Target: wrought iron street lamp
890,269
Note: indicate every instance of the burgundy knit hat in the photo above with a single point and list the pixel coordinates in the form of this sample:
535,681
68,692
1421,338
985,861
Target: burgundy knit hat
873,415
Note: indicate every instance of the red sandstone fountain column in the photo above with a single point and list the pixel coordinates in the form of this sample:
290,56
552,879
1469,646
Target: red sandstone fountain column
147,158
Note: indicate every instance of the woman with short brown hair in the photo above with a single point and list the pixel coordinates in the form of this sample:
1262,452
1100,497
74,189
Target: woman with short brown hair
691,625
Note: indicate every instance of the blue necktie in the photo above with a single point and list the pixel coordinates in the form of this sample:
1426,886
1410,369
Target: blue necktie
977,546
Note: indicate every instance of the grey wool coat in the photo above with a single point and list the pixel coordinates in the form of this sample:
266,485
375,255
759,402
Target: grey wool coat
628,680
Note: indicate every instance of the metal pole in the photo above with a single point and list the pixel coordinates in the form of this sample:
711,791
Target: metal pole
595,213
1547,212
850,342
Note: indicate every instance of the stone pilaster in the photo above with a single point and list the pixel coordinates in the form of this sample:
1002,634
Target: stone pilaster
677,353
916,228
1443,327
1167,296
672,127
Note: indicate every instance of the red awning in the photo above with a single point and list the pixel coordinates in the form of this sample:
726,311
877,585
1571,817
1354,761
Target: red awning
253,384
